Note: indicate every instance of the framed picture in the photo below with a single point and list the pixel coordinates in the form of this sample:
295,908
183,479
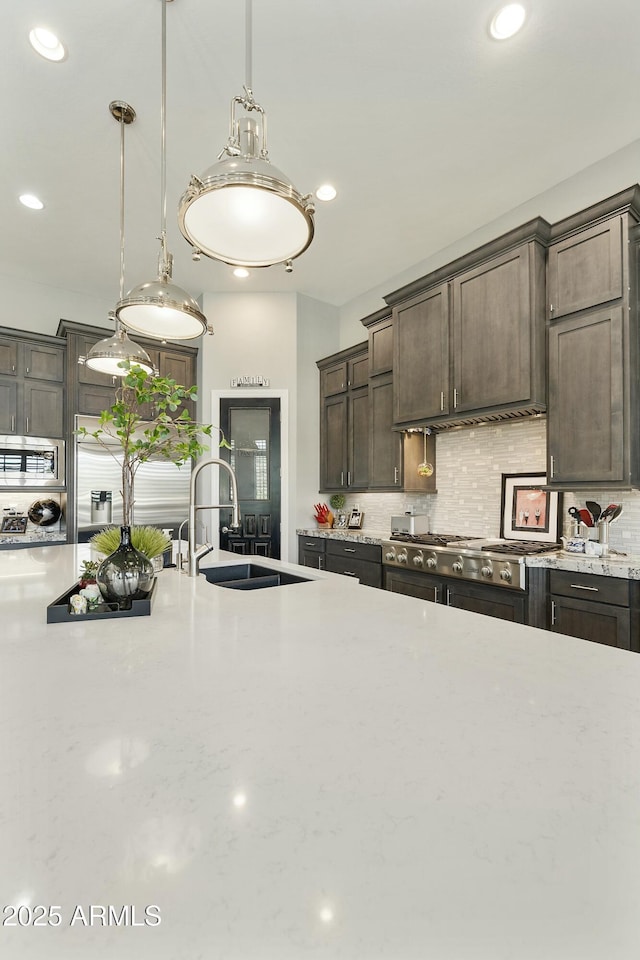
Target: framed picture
14,525
340,521
529,512
355,520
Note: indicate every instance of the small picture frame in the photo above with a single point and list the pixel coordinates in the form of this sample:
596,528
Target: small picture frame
340,522
529,512
355,520
14,525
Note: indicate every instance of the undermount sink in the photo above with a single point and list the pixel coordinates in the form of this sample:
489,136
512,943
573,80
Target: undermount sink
250,576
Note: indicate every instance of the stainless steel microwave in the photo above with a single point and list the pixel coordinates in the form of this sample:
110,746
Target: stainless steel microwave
31,462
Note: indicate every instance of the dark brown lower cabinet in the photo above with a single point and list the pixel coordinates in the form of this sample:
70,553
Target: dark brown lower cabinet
360,560
311,552
518,606
490,601
601,609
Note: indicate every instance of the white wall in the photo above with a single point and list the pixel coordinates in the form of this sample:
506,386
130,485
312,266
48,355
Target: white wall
278,336
38,308
597,182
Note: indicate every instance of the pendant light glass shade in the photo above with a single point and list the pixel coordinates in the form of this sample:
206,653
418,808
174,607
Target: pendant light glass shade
159,308
106,355
243,210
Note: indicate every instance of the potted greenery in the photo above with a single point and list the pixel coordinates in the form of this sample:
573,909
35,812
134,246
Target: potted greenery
140,420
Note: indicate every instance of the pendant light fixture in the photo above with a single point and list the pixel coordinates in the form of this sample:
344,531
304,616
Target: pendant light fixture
160,308
106,355
243,210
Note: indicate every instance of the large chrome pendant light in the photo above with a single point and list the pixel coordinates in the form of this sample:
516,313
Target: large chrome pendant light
243,210
160,308
107,355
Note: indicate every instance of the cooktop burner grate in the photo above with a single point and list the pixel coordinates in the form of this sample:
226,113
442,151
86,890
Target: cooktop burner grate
521,547
429,539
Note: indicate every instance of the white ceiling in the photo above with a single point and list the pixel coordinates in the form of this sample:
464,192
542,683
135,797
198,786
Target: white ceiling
427,127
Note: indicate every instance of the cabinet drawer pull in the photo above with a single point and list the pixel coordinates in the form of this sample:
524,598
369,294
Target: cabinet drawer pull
307,544
349,549
348,573
580,586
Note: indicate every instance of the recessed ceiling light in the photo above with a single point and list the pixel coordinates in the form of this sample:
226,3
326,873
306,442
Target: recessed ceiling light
326,192
47,44
241,272
31,201
508,21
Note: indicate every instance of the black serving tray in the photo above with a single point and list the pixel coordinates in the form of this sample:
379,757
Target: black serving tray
58,611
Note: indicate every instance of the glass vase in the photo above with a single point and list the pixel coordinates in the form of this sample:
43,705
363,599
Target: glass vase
126,574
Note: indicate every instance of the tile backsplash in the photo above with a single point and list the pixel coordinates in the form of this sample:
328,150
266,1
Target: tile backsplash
470,464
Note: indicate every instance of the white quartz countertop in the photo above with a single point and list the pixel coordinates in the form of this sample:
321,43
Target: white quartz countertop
321,770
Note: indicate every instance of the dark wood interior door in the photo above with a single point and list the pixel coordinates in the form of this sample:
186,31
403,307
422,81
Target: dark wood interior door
252,427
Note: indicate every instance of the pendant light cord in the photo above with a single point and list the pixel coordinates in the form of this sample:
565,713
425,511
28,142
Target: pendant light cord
122,126
248,45
163,139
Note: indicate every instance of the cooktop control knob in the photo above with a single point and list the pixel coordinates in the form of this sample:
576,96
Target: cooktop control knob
487,571
505,575
402,557
391,555
456,566
432,563
418,560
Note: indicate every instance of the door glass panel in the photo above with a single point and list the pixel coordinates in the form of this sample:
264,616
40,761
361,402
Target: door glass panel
249,439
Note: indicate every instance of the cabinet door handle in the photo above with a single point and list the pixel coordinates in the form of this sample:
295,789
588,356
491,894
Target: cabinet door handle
348,478
342,478
13,368
320,563
442,400
395,474
13,423
447,597
435,594
553,613
581,586
550,309
552,465
27,427
455,398
26,369
349,549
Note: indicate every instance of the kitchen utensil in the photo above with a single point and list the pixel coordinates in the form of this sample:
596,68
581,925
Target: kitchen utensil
594,509
425,469
616,513
586,517
575,513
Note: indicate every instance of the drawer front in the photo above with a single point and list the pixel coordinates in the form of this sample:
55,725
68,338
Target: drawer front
368,573
359,551
311,544
588,586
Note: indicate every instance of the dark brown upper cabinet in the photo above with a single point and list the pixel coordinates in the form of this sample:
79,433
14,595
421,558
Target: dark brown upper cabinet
593,421
32,375
344,420
469,338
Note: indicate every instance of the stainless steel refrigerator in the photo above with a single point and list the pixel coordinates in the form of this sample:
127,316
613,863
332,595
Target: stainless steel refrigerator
161,488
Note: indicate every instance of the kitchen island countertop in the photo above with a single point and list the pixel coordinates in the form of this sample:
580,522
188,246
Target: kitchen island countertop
318,770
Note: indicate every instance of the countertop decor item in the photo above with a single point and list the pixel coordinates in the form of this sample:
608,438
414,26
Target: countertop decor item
14,525
323,516
141,422
44,513
337,501
148,540
126,574
60,611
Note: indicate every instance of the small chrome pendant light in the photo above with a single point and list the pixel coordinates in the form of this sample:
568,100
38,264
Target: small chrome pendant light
160,308
243,210
106,355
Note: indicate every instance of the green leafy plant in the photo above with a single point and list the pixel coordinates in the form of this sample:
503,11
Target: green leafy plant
88,571
148,540
141,421
337,501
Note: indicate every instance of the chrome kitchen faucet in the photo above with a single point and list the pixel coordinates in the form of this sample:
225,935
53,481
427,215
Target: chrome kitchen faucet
196,553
